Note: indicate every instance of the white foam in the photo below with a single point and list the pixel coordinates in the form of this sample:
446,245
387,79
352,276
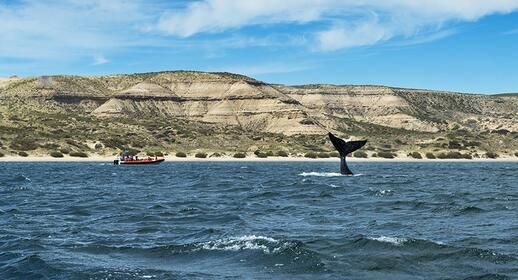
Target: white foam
392,240
385,192
247,242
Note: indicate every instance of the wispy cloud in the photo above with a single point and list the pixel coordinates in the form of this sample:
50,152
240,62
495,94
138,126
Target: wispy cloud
100,60
62,28
51,30
354,23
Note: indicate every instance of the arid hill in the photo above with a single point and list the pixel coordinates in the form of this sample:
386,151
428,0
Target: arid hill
228,113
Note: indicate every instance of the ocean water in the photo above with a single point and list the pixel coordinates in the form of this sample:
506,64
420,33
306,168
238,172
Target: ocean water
215,220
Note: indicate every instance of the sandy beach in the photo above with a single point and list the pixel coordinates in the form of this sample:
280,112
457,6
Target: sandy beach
98,158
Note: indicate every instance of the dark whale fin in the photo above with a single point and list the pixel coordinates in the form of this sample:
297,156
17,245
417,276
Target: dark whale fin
345,148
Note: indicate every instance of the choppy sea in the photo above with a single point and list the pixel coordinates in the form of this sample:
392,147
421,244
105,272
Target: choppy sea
259,220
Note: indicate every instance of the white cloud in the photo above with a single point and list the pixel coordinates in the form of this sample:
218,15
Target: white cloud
341,36
351,23
219,15
52,29
100,60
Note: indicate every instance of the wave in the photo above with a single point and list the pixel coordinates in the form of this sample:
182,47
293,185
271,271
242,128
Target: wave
388,239
266,245
248,242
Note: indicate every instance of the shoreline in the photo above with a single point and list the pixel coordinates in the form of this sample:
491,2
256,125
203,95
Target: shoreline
109,159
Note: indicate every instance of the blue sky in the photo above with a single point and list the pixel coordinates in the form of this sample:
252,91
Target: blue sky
458,45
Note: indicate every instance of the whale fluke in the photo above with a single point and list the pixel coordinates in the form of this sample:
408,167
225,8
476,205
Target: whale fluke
345,148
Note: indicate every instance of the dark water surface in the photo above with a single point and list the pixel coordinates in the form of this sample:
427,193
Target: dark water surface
258,220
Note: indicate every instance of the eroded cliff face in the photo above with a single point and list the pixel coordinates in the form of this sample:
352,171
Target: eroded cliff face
238,101
371,104
235,105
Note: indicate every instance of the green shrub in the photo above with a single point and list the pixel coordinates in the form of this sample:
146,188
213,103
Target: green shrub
516,154
374,155
215,155
416,155
323,155
113,143
491,155
24,144
79,154
200,155
132,151
65,151
181,154
360,154
454,144
334,154
56,154
1,154
239,155
449,155
98,146
386,155
311,155
454,155
261,155
257,152
467,156
153,154
285,154
430,156
23,154
50,146
270,154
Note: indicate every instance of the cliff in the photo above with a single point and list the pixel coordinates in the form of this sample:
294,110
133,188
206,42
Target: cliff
224,112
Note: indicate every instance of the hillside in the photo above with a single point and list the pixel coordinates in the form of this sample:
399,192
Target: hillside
226,113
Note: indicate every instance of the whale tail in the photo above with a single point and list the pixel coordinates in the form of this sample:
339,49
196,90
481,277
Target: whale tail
345,148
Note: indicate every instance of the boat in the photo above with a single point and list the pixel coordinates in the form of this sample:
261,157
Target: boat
149,160
125,158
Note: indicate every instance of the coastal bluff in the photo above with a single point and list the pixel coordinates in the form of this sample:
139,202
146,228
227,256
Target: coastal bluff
225,113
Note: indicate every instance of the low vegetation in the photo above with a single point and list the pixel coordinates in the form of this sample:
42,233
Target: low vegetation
454,155
334,154
492,155
323,155
430,156
415,155
23,154
79,154
181,154
239,155
360,154
386,154
56,154
285,154
311,155
200,155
